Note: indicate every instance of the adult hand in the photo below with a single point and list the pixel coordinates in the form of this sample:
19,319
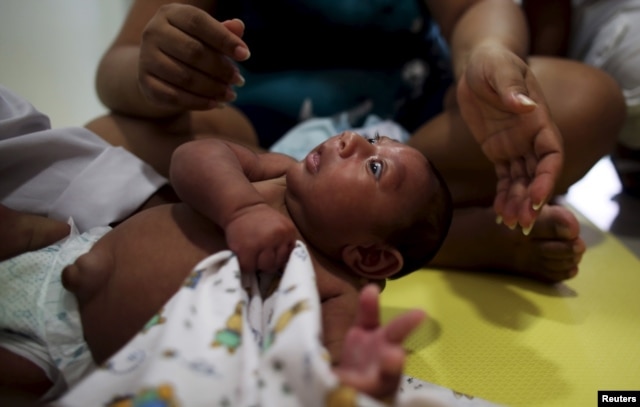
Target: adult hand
261,237
186,58
373,358
503,106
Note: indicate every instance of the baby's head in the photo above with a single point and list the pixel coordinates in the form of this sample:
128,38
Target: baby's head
376,204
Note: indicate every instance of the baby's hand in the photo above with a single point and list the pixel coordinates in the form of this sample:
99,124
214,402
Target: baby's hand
186,58
262,238
373,358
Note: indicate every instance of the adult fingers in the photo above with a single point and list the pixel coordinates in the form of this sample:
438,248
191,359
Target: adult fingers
214,34
171,82
169,95
194,53
550,159
511,82
235,25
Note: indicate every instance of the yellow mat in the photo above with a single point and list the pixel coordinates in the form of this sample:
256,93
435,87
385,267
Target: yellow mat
519,343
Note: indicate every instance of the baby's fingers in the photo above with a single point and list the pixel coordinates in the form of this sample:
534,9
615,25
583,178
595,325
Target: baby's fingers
267,261
282,254
247,264
399,328
368,315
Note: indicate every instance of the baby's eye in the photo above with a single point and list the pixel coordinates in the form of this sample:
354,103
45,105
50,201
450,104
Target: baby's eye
376,168
374,139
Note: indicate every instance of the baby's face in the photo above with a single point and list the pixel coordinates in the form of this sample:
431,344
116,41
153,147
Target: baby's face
348,185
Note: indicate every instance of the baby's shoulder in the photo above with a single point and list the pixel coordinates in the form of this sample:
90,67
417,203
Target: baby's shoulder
273,190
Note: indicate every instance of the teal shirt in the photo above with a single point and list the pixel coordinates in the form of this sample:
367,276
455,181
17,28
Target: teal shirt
323,57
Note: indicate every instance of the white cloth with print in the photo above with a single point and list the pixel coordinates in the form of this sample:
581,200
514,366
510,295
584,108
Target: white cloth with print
232,341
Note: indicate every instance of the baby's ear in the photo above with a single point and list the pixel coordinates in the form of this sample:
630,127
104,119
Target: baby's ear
375,261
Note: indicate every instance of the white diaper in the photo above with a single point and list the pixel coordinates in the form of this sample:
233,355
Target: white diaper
39,319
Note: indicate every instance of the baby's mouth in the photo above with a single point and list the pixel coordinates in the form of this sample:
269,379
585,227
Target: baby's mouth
312,162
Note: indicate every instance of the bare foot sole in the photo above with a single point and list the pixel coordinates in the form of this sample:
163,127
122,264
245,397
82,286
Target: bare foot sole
550,253
22,232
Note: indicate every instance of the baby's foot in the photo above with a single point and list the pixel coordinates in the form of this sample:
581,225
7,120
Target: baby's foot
23,232
550,253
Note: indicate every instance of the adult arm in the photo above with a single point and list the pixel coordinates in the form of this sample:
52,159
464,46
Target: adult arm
502,103
170,57
549,25
216,178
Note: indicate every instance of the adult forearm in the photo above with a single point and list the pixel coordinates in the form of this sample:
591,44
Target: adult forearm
488,22
118,88
549,25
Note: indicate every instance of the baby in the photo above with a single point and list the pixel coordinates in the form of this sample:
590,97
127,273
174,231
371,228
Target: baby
367,210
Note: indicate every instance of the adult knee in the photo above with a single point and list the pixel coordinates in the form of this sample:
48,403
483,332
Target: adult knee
587,105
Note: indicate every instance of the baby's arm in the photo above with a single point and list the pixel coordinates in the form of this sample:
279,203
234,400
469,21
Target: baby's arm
372,359
215,178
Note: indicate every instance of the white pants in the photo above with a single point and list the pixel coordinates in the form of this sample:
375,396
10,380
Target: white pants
606,34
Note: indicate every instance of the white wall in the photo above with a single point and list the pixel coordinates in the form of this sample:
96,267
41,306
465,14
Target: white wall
49,51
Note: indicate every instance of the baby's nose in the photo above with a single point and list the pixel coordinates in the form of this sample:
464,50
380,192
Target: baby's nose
351,143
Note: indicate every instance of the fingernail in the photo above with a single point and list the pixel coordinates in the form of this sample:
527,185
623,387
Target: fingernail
498,220
527,230
240,21
230,95
512,227
238,80
525,100
241,53
214,104
536,207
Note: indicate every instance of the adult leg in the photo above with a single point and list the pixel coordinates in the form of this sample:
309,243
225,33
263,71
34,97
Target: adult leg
589,110
154,140
550,253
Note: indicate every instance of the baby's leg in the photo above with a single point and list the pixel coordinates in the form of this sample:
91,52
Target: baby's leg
550,253
133,270
22,232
